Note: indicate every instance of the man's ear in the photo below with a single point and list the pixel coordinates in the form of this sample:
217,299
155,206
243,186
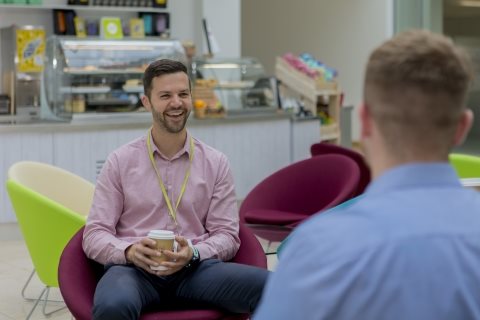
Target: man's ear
365,121
146,103
464,126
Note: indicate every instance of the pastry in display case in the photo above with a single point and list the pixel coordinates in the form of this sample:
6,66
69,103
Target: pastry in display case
89,76
232,86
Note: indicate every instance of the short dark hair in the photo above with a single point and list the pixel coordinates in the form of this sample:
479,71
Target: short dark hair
415,88
159,68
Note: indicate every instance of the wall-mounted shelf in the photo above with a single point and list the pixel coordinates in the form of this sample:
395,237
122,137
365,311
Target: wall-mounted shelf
81,8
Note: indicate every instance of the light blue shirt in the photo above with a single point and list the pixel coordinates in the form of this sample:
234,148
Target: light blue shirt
409,249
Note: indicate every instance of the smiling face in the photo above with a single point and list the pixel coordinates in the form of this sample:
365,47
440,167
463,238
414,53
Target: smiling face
170,101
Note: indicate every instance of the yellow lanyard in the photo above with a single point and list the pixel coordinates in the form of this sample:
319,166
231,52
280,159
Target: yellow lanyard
172,211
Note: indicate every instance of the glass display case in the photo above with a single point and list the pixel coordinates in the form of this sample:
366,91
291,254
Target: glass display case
234,85
95,76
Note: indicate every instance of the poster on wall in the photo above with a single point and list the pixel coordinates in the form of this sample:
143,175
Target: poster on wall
30,44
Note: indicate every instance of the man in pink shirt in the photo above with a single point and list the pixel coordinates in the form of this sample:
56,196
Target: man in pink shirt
167,180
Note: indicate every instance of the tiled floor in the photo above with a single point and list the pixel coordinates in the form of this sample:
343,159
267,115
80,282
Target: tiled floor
15,267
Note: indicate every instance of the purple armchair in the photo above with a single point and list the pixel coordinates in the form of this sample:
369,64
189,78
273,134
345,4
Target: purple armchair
324,148
287,197
78,277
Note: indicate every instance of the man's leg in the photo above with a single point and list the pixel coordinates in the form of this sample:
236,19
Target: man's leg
123,292
230,286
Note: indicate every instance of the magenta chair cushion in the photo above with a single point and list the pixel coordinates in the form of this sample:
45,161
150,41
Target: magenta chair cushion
324,148
300,190
78,277
273,217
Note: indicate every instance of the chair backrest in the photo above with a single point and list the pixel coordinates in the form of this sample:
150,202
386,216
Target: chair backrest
78,288
57,184
305,187
323,148
466,166
46,227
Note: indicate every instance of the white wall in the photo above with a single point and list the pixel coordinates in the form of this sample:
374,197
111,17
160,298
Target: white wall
341,33
224,21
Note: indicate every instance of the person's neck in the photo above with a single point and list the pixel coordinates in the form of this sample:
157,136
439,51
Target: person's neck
383,160
169,144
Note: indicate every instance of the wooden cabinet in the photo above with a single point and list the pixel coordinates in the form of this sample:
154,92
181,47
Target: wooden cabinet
322,99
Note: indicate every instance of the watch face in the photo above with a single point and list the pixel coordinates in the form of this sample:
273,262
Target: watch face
196,255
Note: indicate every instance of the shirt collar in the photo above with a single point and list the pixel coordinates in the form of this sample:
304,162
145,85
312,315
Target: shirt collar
185,149
415,175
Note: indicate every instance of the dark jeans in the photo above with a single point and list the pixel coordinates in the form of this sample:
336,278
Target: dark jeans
125,290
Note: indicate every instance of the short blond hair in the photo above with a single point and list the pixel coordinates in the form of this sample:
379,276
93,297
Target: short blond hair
415,89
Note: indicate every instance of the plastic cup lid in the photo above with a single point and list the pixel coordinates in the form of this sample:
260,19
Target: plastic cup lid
161,234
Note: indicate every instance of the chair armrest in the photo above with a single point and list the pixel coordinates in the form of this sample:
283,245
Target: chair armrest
250,251
78,277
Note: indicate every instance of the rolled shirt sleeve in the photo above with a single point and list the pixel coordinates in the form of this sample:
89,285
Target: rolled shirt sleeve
222,222
99,238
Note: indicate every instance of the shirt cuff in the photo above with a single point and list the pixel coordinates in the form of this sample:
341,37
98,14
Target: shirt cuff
120,257
204,251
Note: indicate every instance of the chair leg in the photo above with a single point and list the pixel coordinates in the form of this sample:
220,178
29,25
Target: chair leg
45,313
45,292
268,247
25,287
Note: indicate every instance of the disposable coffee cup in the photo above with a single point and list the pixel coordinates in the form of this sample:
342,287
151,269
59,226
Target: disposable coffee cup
165,240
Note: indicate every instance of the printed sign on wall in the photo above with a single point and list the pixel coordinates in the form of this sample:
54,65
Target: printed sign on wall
30,49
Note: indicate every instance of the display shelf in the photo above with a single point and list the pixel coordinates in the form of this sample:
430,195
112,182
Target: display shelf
235,85
319,97
101,71
133,89
329,132
68,90
81,8
308,87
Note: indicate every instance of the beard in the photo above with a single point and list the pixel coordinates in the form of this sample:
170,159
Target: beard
167,123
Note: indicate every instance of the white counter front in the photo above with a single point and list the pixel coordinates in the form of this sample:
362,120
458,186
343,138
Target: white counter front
256,145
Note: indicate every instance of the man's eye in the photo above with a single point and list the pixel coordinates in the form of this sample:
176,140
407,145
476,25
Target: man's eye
164,96
184,95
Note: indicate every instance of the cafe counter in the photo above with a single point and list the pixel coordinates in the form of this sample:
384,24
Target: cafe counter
255,144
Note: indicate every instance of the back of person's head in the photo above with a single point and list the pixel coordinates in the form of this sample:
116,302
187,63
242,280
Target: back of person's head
415,90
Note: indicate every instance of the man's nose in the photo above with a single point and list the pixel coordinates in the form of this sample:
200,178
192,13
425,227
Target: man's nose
176,100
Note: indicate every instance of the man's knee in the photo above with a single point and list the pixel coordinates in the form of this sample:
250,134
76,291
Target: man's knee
115,307
256,282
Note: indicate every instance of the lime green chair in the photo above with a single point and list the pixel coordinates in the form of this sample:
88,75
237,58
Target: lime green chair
51,205
467,166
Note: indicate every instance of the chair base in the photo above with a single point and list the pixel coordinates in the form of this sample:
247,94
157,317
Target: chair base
45,292
40,298
25,288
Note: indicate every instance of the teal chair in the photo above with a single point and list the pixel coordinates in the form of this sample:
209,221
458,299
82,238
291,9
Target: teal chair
51,205
467,166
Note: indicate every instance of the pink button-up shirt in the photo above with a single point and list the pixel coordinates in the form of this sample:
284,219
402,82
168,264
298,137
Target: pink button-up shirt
128,202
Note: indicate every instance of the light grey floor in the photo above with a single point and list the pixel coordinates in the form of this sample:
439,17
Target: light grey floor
15,267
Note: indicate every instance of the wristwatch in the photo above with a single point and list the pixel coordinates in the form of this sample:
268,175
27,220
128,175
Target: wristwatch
195,258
